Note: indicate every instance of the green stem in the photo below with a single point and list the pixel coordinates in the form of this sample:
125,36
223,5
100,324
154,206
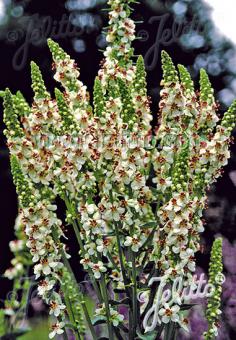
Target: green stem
170,331
65,335
71,315
121,258
87,317
94,283
77,234
112,261
106,301
152,295
148,240
86,314
67,301
134,296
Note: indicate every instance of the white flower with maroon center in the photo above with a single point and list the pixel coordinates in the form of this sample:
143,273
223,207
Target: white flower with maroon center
45,286
90,248
188,259
103,245
37,251
113,211
57,329
55,307
168,313
86,262
94,224
46,266
38,230
177,242
87,210
162,183
97,269
134,242
123,176
180,225
138,182
176,203
118,12
184,323
16,245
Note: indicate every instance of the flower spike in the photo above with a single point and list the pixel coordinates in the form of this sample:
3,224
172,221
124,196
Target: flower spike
22,108
11,116
186,80
170,74
140,84
98,98
23,187
216,278
229,118
38,86
57,52
64,110
206,91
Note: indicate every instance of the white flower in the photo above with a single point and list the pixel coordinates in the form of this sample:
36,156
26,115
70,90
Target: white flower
95,224
13,272
116,317
87,209
16,245
183,322
180,225
169,313
97,269
46,266
90,248
56,308
45,286
138,182
187,257
57,329
113,211
123,175
108,52
162,183
103,245
134,242
176,203
36,249
86,262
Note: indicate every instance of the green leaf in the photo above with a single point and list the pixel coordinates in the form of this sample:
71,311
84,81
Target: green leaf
123,328
121,302
117,290
99,320
187,306
170,331
148,225
16,334
147,336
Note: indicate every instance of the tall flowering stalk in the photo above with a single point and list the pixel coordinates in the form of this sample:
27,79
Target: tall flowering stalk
215,277
133,199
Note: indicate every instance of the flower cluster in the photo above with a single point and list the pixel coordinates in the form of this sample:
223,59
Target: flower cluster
214,302
40,224
21,259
